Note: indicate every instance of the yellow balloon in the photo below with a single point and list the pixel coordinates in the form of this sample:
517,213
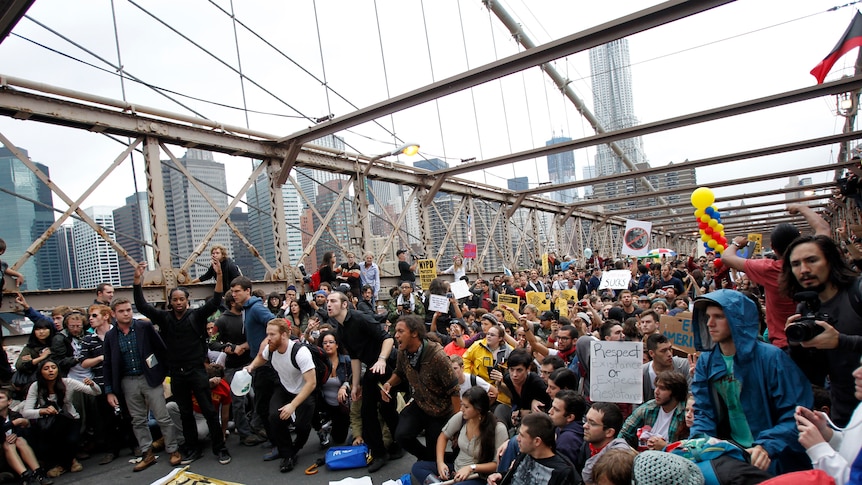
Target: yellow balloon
702,197
702,232
711,243
722,233
720,227
705,218
713,223
705,238
719,249
698,213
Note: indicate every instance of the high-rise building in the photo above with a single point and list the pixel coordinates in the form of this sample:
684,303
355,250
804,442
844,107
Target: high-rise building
561,169
23,221
132,223
96,259
309,179
589,172
432,164
341,220
241,254
518,183
260,230
613,103
190,216
68,260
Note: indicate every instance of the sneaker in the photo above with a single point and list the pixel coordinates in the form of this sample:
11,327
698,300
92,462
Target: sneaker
56,472
251,440
224,456
41,477
76,466
176,458
148,460
395,452
287,464
108,458
191,456
159,444
325,435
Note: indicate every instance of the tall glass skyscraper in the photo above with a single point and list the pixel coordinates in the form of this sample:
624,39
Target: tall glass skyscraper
561,168
22,221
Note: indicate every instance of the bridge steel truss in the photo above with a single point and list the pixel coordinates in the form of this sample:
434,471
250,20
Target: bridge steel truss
537,225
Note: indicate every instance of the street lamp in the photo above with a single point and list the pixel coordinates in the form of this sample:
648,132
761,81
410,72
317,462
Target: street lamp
408,149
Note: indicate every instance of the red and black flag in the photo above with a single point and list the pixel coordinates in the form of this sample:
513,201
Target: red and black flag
852,38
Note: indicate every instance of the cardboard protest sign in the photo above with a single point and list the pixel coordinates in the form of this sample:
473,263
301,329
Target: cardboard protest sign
617,279
616,373
438,303
427,272
545,264
540,299
678,330
511,301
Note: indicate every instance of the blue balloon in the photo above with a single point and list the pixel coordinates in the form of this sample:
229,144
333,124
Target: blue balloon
710,211
706,245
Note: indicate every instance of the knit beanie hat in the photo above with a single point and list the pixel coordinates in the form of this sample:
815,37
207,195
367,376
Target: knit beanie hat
661,468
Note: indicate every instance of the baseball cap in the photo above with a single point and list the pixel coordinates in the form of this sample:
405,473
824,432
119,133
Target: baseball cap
320,292
459,322
643,298
400,252
548,315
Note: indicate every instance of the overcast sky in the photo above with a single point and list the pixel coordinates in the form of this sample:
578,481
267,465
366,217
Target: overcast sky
733,53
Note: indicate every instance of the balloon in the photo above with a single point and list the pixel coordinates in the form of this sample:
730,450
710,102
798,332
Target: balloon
719,227
702,225
705,218
710,211
705,238
712,243
719,249
713,223
721,232
702,198
698,213
588,253
706,246
709,231
717,263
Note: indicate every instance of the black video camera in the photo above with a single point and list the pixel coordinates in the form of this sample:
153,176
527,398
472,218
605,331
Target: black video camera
805,328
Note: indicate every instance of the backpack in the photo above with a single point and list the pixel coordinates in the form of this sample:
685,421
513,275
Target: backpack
322,364
315,281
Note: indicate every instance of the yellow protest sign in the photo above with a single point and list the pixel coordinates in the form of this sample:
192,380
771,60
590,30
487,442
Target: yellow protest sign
427,272
758,240
540,299
511,301
545,264
561,306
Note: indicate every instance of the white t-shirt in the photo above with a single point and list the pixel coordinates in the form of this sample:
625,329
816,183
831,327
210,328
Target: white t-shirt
662,423
468,383
290,376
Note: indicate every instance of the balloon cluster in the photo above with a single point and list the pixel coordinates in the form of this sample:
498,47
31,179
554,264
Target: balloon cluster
709,222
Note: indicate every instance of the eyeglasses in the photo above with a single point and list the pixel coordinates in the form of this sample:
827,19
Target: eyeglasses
564,338
95,315
594,424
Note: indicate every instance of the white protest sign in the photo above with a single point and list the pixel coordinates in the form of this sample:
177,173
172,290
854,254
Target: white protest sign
438,303
617,279
460,289
616,372
636,238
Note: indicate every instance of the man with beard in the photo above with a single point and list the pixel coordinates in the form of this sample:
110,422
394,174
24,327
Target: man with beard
659,421
601,426
292,401
815,264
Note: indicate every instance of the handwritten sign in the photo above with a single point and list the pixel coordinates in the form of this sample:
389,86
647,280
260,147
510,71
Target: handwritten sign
438,303
511,301
427,272
617,279
540,299
678,330
616,373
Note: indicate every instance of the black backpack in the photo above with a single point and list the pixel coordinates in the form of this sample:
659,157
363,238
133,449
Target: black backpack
322,364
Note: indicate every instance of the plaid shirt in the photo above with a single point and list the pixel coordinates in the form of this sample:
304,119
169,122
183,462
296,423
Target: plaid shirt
647,414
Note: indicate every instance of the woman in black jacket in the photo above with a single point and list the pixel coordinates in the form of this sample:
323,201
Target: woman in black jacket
229,269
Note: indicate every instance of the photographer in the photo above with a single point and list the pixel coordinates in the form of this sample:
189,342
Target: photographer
404,268
814,263
407,303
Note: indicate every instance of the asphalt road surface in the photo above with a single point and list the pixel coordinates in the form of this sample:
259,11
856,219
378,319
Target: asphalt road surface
247,467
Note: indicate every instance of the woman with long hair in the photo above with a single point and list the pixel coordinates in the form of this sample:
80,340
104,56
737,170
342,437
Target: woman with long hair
296,316
57,425
457,268
37,350
336,393
328,271
479,434
229,269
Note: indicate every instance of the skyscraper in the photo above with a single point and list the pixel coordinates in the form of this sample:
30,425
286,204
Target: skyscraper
309,179
132,222
260,230
68,259
189,215
23,221
613,103
561,169
96,260
518,183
